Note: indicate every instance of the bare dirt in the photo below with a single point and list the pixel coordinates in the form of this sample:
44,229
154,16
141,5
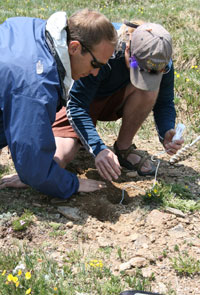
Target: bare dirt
147,236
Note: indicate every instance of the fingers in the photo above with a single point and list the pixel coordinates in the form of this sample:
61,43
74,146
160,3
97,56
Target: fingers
108,171
90,185
11,181
173,147
108,165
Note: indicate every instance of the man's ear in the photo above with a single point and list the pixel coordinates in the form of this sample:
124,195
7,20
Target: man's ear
74,47
127,46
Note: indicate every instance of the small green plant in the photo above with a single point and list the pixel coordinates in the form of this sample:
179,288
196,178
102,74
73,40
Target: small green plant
138,282
55,225
119,253
57,233
172,195
186,265
106,250
23,222
176,248
164,253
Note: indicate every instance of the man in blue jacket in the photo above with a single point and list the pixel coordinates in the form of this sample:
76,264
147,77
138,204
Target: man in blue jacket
39,60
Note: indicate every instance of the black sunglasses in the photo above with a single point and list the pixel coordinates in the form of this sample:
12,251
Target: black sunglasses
94,63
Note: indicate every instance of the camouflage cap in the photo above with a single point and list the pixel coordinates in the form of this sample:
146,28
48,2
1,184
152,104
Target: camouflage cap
151,48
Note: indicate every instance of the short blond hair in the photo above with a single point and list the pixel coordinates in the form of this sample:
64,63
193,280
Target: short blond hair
125,30
90,28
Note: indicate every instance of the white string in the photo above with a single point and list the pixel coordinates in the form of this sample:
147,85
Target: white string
153,160
177,157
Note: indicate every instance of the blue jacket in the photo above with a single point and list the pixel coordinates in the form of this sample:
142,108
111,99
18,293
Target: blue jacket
29,94
111,78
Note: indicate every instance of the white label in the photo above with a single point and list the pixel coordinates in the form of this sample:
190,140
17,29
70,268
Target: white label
39,67
179,131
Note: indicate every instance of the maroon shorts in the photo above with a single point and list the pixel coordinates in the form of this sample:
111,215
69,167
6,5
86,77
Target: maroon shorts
107,108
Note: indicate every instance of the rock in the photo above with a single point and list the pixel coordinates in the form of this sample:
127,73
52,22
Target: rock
178,231
174,211
141,242
104,242
162,288
69,212
147,272
157,218
132,174
124,266
134,237
69,224
138,261
54,216
133,262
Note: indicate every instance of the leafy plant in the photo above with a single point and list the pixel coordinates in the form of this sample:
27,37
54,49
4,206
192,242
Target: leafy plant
23,222
172,195
186,265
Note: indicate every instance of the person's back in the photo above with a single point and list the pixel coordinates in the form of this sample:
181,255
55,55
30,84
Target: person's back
23,58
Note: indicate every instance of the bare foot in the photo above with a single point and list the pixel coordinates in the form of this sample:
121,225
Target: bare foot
12,180
90,185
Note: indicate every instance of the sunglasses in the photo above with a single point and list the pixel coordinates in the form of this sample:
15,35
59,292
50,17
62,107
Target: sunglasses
94,63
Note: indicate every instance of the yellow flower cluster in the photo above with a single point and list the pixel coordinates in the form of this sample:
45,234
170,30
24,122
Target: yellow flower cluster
96,263
177,75
141,10
14,279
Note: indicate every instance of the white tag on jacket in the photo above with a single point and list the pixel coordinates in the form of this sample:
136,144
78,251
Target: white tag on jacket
39,67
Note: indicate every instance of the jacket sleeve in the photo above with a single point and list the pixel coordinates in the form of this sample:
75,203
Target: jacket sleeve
31,141
164,109
81,95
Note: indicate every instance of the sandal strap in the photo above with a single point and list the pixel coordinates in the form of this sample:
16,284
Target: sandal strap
124,153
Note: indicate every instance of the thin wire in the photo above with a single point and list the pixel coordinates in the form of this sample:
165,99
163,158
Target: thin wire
122,197
154,160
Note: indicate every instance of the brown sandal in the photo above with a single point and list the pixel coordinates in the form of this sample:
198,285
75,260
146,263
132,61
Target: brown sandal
122,157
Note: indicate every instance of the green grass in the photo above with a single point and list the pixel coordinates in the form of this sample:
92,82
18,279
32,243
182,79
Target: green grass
185,265
25,271
172,195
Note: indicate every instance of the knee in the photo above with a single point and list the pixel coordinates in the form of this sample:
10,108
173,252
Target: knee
150,97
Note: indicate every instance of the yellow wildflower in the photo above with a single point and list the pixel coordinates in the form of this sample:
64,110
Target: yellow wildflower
19,272
15,280
28,291
3,273
178,76
55,288
155,190
195,67
17,284
187,80
10,278
28,275
149,194
96,263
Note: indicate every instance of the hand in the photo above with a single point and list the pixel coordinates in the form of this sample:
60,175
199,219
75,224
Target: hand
90,185
170,146
12,180
108,165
